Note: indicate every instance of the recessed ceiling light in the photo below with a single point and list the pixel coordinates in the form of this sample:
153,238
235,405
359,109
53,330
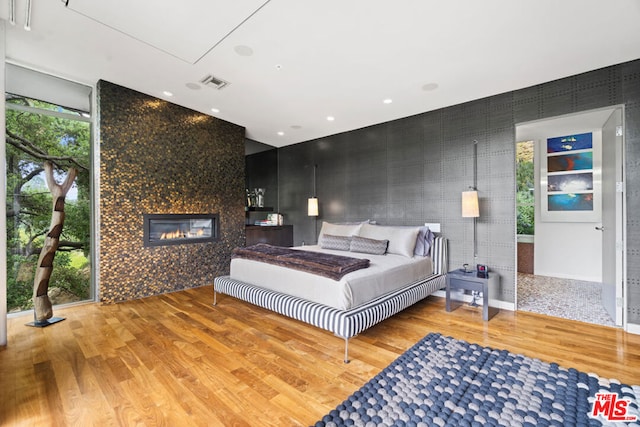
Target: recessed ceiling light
243,50
278,67
215,110
430,86
167,93
296,127
280,133
388,101
193,86
331,118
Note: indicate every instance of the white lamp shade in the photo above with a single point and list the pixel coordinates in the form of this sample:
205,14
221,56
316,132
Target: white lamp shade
312,206
470,208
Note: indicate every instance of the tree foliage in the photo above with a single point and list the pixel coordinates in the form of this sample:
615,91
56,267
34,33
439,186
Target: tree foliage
33,138
525,200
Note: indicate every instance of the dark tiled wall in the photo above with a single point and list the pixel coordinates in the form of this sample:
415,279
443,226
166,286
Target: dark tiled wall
157,157
413,170
264,174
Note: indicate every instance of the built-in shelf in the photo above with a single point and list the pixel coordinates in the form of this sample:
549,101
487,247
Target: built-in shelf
257,209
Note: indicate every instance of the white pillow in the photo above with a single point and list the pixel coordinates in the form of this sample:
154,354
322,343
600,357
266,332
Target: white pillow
402,240
338,230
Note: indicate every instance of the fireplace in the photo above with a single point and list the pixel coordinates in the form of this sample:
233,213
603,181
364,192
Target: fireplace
179,229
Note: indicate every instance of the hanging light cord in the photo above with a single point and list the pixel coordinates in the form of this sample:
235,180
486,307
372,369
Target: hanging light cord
27,17
475,188
12,12
314,180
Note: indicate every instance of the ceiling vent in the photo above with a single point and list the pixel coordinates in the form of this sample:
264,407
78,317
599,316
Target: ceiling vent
213,82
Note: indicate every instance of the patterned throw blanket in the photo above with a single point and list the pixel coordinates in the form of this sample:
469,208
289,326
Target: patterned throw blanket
323,264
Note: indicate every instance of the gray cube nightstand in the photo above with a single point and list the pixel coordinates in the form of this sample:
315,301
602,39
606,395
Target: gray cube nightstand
458,279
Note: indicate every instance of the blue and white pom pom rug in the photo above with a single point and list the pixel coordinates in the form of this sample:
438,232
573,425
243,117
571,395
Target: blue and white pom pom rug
442,381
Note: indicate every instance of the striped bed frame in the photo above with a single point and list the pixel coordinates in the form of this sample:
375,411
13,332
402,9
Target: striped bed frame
343,323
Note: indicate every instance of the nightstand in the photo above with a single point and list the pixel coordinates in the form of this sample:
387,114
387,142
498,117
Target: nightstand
458,279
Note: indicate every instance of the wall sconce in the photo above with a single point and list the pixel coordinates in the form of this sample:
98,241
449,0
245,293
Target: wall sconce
470,205
312,206
312,202
470,208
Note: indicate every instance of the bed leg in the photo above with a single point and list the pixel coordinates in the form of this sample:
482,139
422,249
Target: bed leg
215,295
346,350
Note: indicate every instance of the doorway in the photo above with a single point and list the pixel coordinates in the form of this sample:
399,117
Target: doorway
578,213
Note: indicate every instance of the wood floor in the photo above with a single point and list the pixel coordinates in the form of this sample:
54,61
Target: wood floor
176,360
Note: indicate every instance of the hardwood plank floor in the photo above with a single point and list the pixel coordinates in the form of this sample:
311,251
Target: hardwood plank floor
176,360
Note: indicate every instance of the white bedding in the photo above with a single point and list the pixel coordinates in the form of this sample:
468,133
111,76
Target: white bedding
386,273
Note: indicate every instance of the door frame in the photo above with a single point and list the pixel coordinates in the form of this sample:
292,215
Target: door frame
621,215
614,269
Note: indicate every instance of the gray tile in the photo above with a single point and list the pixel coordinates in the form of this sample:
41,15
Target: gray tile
568,299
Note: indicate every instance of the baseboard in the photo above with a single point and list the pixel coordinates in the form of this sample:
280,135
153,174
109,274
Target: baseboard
441,294
560,275
503,305
633,328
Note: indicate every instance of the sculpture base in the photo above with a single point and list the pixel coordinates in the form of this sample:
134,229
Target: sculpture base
46,322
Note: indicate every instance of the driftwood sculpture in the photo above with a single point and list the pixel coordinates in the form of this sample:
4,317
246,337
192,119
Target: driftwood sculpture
42,304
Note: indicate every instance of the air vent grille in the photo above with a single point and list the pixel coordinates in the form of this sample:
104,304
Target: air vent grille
214,82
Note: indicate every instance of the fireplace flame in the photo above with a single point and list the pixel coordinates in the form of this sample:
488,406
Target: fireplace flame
181,234
172,235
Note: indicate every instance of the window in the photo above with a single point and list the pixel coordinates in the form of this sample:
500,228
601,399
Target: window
525,198
37,131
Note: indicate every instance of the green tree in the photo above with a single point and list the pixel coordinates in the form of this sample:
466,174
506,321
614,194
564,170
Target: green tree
525,213
33,138
525,201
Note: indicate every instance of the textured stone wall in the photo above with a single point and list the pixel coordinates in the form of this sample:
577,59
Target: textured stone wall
157,157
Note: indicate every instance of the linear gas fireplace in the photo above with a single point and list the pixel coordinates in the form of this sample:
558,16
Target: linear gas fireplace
178,229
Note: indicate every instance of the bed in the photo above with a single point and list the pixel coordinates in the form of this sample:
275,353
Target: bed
406,264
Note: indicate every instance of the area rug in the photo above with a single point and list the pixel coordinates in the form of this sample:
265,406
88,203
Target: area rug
442,381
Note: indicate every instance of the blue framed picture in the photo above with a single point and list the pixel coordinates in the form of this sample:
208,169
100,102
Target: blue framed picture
570,182
570,202
561,144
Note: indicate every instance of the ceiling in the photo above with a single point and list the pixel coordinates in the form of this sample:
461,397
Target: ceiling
291,64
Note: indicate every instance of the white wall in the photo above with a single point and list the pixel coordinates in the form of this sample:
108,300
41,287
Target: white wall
3,197
569,251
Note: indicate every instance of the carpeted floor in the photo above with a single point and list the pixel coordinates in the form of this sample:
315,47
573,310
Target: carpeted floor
442,381
569,299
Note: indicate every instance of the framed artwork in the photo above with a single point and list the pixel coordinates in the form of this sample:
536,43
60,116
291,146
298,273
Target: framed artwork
570,174
572,182
570,162
563,144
